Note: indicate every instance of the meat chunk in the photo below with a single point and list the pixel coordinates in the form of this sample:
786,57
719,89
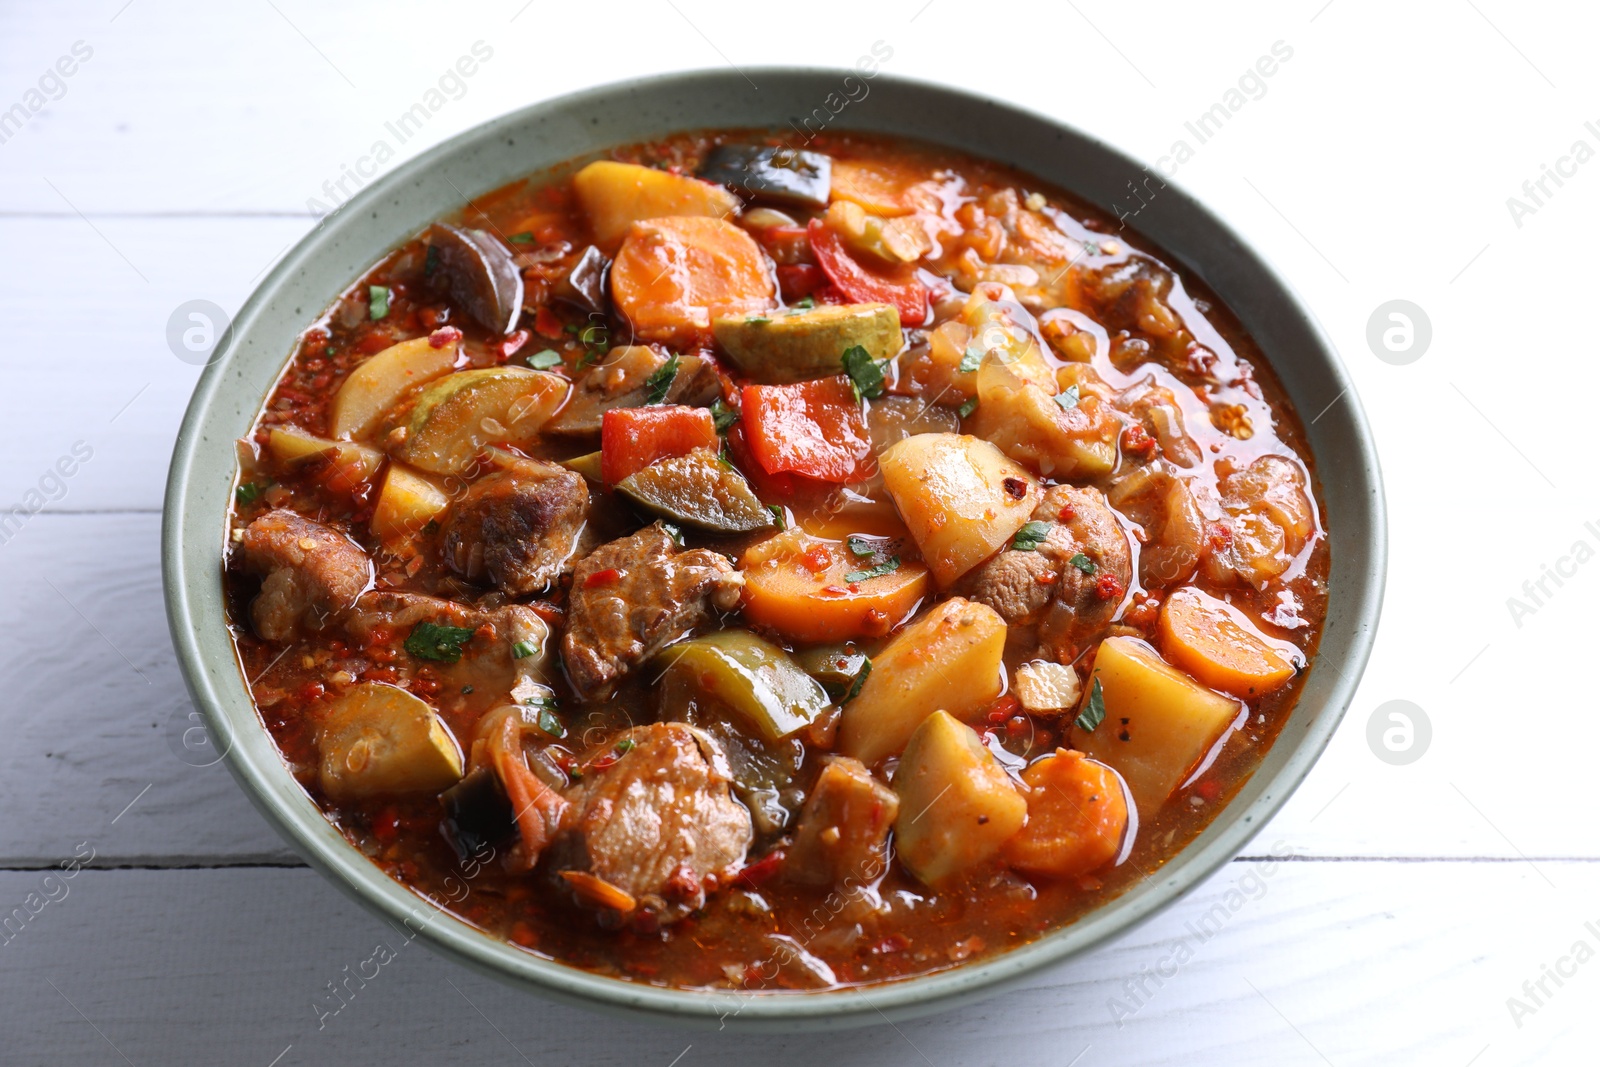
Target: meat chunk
1070,603
655,824
1086,600
632,597
508,652
1267,520
517,528
1020,585
1171,526
844,827
313,573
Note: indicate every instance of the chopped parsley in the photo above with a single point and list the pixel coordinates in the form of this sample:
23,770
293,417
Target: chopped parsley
674,533
725,459
1068,398
430,640
550,722
859,681
247,493
377,301
968,408
970,359
659,383
806,303
1094,711
524,649
778,518
1031,536
722,416
866,374
625,745
1084,564
860,546
544,360
523,238
888,566
757,320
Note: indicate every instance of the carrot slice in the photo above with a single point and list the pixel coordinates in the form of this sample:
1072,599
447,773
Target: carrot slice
598,891
1219,646
673,275
1077,816
536,807
798,585
633,438
877,185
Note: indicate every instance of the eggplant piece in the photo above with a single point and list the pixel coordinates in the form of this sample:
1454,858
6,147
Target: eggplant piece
477,272
698,490
477,814
780,175
585,284
619,382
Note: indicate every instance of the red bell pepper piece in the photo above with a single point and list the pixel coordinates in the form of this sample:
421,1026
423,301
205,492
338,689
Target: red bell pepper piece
799,280
861,284
633,438
816,429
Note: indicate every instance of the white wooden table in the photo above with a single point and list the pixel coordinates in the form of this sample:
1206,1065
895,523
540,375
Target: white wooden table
176,163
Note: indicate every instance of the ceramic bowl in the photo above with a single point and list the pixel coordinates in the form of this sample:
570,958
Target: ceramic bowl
393,208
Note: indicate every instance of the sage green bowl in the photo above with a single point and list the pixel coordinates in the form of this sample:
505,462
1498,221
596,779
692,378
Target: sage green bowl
392,209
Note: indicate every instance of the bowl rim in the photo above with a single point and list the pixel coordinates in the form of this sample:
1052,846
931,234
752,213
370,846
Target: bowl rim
186,567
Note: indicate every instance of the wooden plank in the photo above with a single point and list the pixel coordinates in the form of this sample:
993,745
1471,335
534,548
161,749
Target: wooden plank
96,714
1308,963
100,370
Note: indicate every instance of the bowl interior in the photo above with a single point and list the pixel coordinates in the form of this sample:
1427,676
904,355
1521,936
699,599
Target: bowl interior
400,204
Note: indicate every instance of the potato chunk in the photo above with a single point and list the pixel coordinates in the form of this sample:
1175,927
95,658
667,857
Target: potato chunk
379,739
1058,435
406,503
616,195
949,658
957,806
1159,723
375,386
960,497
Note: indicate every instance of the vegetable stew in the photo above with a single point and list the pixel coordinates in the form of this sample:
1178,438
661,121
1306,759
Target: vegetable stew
721,565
